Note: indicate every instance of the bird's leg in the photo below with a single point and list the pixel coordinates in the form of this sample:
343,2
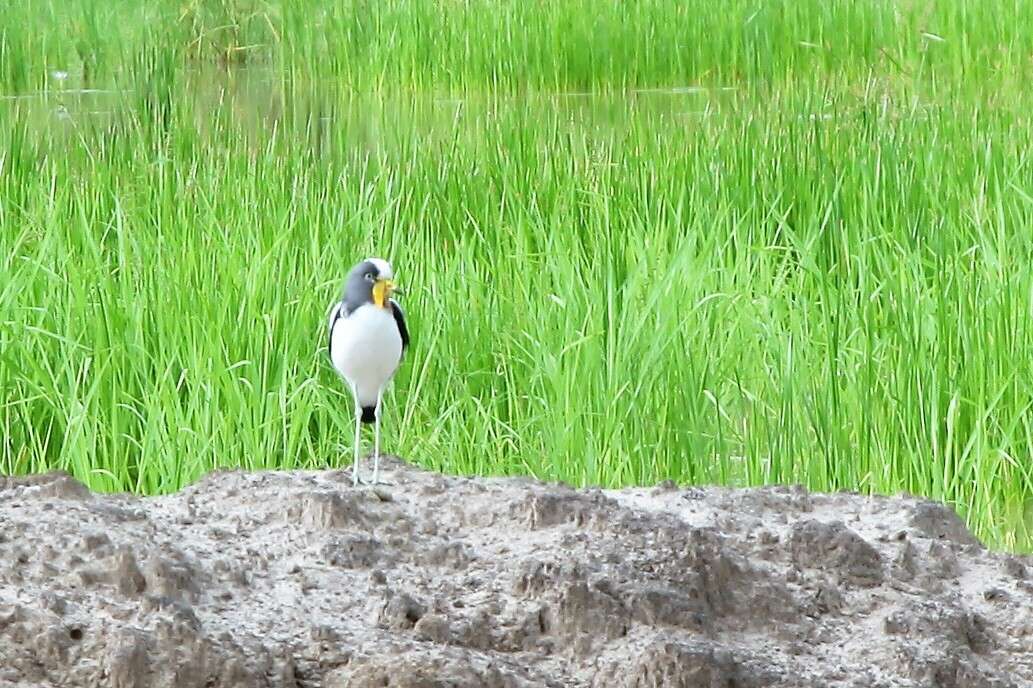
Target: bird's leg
358,436
376,440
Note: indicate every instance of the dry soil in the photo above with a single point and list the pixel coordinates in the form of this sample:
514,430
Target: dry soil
300,580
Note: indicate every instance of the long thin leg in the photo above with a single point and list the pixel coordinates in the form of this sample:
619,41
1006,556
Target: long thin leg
376,441
358,436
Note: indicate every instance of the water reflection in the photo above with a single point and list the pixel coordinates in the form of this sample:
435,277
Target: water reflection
255,104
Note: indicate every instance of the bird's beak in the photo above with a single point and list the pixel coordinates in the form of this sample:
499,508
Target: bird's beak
382,290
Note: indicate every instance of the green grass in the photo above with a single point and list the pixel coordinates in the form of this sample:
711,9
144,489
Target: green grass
822,276
468,45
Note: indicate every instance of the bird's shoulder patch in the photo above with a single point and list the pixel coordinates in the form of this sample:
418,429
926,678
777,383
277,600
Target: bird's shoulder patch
336,313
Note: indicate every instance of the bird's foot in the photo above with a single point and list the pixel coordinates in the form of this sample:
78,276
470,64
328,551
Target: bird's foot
373,482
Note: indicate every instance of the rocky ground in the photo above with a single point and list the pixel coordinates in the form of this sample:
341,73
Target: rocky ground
299,580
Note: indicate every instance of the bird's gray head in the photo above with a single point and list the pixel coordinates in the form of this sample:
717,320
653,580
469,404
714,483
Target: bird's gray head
371,281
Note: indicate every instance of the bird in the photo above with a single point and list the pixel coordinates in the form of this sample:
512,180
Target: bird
368,338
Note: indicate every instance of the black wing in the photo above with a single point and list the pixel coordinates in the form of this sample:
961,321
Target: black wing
396,310
335,315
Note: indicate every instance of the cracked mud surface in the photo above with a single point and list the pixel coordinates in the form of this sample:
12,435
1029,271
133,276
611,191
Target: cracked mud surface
299,580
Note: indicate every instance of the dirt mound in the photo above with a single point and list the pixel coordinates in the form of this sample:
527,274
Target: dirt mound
299,580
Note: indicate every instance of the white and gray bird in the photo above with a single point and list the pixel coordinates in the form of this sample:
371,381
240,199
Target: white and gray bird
368,337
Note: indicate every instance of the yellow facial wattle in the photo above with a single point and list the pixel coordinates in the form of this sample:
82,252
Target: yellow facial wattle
382,292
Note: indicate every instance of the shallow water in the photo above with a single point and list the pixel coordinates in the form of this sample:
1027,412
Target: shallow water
260,102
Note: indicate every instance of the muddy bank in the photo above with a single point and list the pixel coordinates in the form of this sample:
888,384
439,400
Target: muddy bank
299,580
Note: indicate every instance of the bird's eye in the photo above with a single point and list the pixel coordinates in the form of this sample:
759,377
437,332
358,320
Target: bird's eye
369,276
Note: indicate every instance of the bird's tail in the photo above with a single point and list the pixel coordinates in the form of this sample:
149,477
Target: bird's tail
369,414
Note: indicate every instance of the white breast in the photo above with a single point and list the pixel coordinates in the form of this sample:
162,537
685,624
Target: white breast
366,348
